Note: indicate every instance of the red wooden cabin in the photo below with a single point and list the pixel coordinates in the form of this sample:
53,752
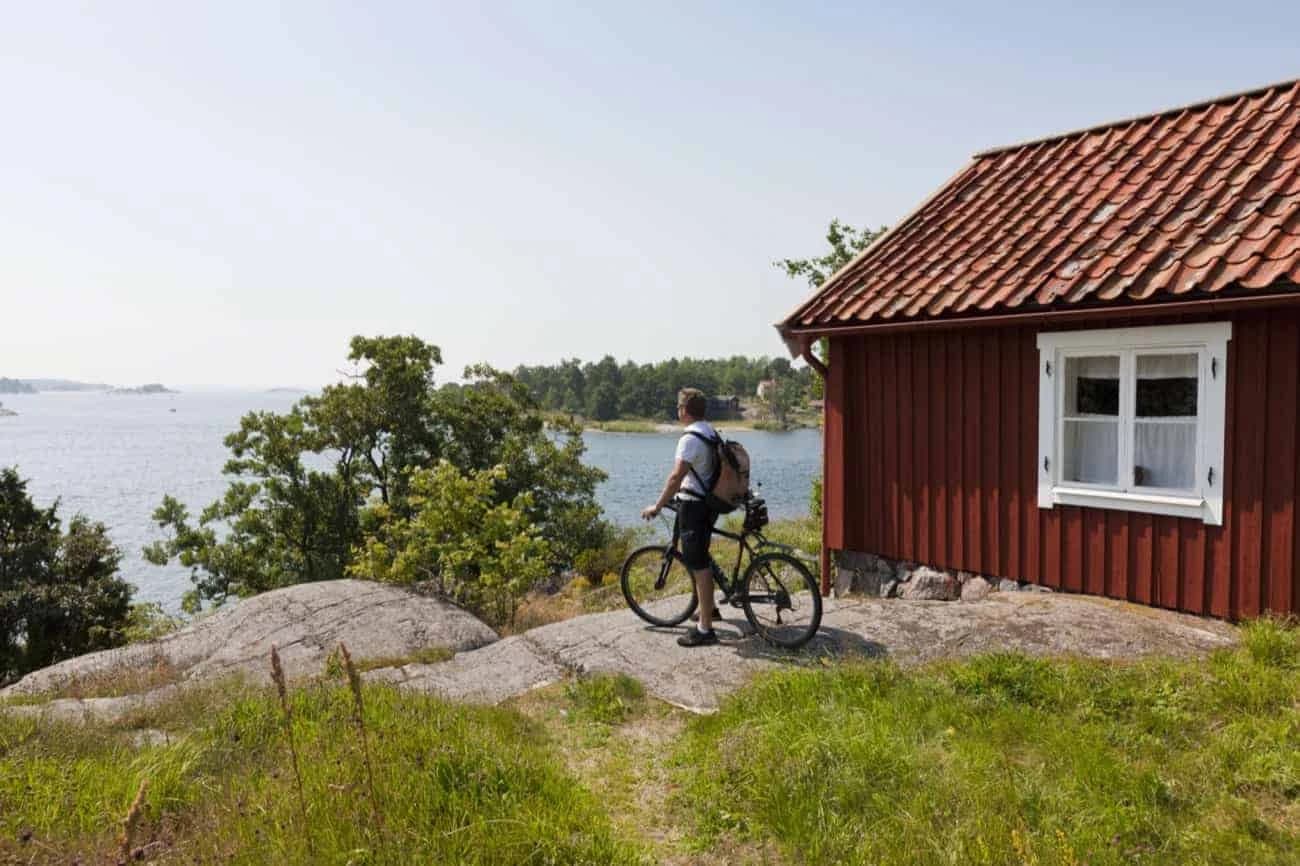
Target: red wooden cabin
1077,365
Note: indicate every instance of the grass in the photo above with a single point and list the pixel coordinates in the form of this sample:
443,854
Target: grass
625,425
579,596
457,784
428,655
1006,759
1000,759
804,534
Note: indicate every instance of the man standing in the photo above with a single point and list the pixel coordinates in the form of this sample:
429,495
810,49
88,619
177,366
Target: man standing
692,471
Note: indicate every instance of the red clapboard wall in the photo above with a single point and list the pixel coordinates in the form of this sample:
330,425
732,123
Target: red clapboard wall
931,448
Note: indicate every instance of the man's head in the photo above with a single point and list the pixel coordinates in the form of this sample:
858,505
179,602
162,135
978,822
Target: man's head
691,404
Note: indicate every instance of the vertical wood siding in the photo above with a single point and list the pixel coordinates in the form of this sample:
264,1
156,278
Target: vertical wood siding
931,445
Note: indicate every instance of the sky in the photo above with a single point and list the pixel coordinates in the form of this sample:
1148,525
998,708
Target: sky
224,193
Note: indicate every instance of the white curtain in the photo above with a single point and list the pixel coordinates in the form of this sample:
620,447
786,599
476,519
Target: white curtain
1093,367
1091,452
1091,447
1166,367
1164,455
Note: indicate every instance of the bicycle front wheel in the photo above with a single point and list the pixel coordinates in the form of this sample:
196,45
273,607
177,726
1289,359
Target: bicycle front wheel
781,600
658,586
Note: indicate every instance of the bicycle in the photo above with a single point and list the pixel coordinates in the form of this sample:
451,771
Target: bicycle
777,592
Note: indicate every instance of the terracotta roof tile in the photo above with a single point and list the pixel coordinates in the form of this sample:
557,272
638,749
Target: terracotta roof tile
1196,200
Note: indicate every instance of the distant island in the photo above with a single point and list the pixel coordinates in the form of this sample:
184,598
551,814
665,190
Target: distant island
33,386
151,388
15,386
6,413
287,391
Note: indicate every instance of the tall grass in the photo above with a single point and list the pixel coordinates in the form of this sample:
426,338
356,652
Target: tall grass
286,709
469,785
1007,759
359,720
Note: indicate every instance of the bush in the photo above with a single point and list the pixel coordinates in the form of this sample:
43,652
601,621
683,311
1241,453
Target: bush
594,563
475,551
147,621
815,499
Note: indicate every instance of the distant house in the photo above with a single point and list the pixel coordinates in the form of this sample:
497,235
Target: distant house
1077,365
724,406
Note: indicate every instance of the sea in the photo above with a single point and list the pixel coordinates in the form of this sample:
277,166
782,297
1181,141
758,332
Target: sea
112,457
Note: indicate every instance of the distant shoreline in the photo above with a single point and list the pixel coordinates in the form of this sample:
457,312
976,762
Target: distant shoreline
642,425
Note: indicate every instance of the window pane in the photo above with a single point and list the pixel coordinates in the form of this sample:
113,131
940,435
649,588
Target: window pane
1092,385
1166,386
1091,452
1164,455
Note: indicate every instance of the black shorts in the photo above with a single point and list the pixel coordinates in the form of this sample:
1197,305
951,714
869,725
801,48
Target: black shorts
695,528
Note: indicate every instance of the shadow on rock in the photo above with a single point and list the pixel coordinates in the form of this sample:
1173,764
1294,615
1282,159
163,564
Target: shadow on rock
828,643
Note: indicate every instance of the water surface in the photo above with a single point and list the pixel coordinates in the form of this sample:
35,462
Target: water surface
113,457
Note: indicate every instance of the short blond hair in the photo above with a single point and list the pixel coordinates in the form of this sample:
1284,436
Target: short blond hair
693,401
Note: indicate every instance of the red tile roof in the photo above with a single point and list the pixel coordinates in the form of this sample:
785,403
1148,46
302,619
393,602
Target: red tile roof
1190,202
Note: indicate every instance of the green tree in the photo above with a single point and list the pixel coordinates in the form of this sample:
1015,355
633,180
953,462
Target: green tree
785,396
845,244
604,402
473,548
300,480
60,594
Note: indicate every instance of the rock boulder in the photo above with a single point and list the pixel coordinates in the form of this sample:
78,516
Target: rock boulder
930,584
306,622
975,589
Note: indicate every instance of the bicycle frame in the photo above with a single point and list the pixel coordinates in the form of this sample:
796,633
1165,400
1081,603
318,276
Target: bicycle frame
773,581
727,582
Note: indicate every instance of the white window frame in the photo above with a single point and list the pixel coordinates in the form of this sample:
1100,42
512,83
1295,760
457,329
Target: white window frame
1210,342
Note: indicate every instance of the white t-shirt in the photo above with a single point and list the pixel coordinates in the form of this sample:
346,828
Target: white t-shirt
697,453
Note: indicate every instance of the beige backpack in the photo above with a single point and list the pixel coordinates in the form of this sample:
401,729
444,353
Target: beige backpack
729,487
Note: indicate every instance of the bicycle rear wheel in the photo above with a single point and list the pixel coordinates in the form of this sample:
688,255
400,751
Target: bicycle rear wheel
781,600
658,586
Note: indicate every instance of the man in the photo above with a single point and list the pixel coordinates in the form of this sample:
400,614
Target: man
693,467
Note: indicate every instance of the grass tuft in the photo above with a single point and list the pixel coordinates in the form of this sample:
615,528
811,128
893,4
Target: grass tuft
604,699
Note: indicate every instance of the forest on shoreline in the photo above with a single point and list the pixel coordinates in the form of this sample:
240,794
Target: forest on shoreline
607,390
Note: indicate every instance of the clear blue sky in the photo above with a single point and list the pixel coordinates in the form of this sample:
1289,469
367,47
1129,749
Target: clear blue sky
223,194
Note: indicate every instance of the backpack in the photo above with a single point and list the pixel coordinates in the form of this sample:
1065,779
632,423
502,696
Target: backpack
728,487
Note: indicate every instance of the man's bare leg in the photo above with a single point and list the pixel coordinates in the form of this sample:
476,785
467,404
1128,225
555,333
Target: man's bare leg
704,592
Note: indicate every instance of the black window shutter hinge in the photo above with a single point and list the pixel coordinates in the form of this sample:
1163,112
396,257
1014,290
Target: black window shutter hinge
1046,463
1214,368
1210,477
1049,368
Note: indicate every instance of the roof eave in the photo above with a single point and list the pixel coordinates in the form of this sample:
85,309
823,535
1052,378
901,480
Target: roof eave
1285,294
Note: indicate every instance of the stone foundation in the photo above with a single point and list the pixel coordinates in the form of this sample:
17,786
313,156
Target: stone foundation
869,574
